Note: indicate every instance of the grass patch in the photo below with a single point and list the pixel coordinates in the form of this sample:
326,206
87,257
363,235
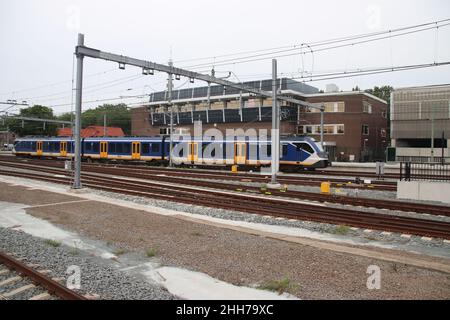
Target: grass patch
52,242
151,252
119,252
341,230
280,286
74,252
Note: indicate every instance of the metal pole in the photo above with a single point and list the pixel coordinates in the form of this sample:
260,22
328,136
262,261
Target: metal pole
169,91
275,125
104,124
432,134
322,109
77,131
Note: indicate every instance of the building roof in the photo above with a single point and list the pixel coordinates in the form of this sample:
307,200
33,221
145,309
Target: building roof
344,93
93,131
217,93
433,86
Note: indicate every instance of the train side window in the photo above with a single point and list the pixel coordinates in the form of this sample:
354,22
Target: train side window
33,145
96,147
111,147
119,147
145,148
127,147
155,147
285,149
88,147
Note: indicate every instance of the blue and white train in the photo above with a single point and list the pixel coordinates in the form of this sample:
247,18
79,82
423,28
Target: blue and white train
295,152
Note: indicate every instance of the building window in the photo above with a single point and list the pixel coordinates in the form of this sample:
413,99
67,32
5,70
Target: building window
164,131
331,107
383,133
365,129
367,107
327,129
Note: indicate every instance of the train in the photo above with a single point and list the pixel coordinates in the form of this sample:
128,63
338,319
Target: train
297,153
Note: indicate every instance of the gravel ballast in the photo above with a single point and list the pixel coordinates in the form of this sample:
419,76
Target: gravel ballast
98,276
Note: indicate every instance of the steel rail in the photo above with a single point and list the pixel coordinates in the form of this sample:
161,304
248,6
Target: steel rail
49,284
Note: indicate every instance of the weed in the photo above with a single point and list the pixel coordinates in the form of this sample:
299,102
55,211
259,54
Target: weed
52,242
341,230
279,286
119,252
151,252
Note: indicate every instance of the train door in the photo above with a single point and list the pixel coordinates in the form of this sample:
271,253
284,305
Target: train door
63,148
240,152
103,149
39,148
193,151
136,150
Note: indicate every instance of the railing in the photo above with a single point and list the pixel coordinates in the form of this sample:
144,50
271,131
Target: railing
418,171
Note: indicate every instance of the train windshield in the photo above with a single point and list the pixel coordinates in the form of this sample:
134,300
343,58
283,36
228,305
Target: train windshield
304,146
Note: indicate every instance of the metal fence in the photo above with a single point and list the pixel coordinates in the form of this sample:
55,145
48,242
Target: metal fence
418,171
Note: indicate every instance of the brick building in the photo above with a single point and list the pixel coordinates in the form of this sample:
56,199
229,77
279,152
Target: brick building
354,122
93,131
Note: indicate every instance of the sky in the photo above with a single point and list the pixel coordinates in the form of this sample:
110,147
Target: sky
38,39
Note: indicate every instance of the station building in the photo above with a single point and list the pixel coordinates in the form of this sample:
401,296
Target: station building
354,122
420,124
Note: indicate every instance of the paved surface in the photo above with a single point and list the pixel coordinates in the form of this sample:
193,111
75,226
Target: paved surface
234,256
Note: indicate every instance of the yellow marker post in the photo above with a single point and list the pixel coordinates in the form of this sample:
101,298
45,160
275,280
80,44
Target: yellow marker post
325,187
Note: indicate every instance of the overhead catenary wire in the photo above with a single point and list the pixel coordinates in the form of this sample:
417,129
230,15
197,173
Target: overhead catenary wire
316,43
55,83
278,54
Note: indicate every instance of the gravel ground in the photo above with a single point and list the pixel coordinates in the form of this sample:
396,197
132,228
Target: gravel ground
98,276
231,256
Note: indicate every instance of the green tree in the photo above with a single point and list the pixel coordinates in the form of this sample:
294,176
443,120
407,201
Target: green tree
66,116
35,128
384,92
117,115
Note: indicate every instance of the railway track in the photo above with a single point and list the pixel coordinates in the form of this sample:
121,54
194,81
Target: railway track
20,281
251,177
364,202
254,204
